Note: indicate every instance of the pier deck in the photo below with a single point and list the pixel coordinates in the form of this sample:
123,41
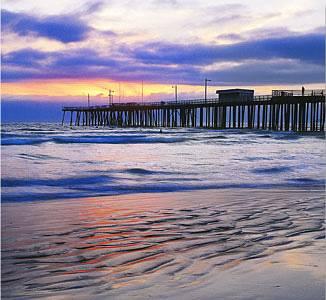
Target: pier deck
281,111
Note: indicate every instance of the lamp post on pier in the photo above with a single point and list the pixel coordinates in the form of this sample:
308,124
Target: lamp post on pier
206,80
175,87
111,97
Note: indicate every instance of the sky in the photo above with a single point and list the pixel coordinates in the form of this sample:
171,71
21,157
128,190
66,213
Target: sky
55,53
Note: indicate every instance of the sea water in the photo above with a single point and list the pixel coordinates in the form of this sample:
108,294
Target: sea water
47,161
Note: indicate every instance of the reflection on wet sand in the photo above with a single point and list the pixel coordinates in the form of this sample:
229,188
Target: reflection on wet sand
119,246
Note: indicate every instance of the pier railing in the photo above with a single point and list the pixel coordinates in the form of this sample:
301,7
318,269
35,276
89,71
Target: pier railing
294,93
156,103
275,93
162,103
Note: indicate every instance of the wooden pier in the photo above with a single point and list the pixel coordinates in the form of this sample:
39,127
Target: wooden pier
281,111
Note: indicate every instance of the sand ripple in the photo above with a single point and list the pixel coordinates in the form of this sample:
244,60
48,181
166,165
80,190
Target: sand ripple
134,248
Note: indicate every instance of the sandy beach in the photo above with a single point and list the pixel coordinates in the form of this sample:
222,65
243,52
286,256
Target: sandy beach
212,244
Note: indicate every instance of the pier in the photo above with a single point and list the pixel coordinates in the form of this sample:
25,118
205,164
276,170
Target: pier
283,110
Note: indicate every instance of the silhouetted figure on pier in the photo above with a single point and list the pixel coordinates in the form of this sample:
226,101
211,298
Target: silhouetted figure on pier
302,89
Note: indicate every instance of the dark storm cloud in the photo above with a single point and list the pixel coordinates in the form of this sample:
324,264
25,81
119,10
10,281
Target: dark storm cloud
65,28
308,48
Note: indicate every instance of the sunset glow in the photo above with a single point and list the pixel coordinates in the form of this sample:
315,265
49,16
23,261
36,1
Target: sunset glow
64,51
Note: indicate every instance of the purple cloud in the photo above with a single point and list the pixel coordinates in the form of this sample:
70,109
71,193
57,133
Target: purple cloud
269,72
24,58
292,59
308,48
64,28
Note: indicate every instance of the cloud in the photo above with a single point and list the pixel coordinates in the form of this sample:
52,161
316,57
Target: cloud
65,28
223,9
308,48
79,59
269,72
94,6
24,58
84,63
291,59
231,18
262,33
165,3
29,63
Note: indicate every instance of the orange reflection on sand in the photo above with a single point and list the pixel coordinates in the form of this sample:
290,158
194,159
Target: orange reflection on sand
310,260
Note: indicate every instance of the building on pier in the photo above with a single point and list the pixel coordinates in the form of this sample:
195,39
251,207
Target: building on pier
235,95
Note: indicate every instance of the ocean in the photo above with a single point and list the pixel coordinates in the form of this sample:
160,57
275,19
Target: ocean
47,161
130,213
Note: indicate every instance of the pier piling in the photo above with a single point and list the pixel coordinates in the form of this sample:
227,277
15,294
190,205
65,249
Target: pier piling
281,111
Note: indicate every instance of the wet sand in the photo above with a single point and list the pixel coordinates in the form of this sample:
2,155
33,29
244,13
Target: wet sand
215,244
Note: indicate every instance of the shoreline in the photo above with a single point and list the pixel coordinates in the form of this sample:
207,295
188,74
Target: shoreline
276,188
